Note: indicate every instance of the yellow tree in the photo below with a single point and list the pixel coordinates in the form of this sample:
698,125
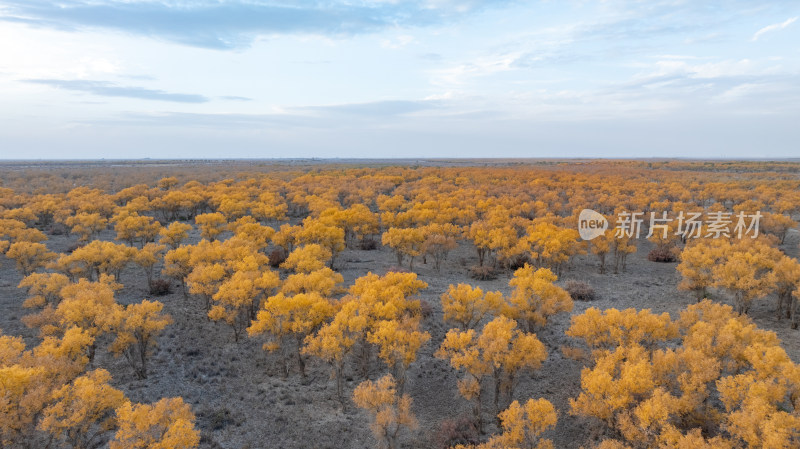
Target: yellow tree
552,246
28,379
622,246
147,257
523,426
239,298
174,234
286,237
205,277
317,231
391,412
291,318
43,289
177,265
323,281
467,305
697,263
787,279
29,256
747,272
211,225
535,297
137,326
600,246
86,225
612,389
398,342
479,235
778,225
439,240
89,306
405,242
95,259
371,299
335,340
16,231
460,349
167,424
387,297
83,410
136,229
270,206
248,229
654,381
501,351
610,328
307,258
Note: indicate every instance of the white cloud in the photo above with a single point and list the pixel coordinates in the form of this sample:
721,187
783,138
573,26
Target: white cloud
773,27
398,42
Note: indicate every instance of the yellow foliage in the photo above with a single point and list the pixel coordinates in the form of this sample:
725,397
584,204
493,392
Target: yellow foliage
167,424
135,228
398,341
239,297
523,426
535,297
697,262
500,351
82,410
391,412
43,289
295,316
657,392
137,326
611,328
553,246
467,305
323,281
174,234
96,259
86,225
307,258
211,225
29,256
405,242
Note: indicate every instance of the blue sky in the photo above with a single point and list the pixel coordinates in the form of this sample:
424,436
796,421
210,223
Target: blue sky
390,78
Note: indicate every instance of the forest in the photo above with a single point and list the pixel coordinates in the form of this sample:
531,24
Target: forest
399,304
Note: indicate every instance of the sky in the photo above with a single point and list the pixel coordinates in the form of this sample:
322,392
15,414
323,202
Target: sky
399,79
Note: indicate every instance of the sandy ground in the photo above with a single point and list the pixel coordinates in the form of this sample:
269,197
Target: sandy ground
242,401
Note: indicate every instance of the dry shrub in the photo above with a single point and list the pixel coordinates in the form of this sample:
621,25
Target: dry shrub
453,432
58,229
580,291
482,273
276,257
368,244
425,308
518,261
663,255
573,353
160,287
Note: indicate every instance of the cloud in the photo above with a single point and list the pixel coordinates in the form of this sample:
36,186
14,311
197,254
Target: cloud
106,89
209,120
388,108
235,98
234,24
773,27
